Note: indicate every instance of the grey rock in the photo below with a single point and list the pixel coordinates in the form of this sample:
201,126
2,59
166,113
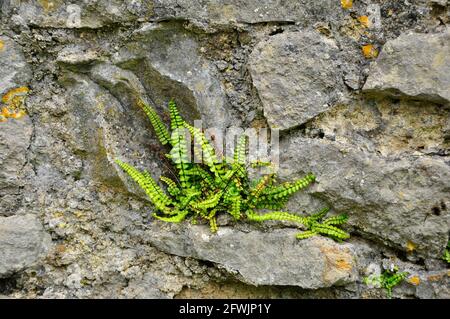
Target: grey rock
105,137
14,70
145,288
67,14
236,12
258,258
297,76
15,137
168,62
392,200
86,62
414,66
205,14
23,242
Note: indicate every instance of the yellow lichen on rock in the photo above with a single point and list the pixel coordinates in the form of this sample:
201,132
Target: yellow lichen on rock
369,51
364,20
347,4
415,280
13,102
2,45
11,94
410,246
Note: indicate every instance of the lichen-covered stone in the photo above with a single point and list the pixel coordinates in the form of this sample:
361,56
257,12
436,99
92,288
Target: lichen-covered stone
272,258
382,161
397,201
66,14
297,76
414,66
15,138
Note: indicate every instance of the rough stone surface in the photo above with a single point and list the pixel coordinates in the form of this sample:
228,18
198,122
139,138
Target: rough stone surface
297,76
381,157
393,200
415,66
15,138
14,70
274,258
22,242
65,14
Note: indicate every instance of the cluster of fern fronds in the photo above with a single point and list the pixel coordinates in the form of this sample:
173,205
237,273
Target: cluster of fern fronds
387,280
220,185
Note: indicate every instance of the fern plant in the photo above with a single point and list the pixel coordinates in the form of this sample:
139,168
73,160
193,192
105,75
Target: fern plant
221,185
387,280
446,256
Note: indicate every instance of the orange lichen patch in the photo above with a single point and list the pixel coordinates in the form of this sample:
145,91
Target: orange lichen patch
60,248
364,20
5,112
343,264
13,102
410,246
13,93
415,280
2,45
347,4
434,277
369,51
339,262
17,115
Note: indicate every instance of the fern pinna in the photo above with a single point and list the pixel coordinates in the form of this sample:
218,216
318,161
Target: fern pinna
220,185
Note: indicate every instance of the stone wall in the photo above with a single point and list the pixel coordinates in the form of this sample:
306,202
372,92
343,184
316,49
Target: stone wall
362,99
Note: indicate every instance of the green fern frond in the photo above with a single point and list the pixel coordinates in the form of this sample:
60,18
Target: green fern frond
179,217
393,280
288,188
146,182
203,175
306,234
209,202
213,221
319,215
330,231
179,155
172,187
239,151
203,149
387,280
158,125
236,208
282,216
336,220
446,256
176,121
258,190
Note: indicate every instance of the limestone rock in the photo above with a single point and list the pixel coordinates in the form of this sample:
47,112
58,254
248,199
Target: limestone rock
168,63
414,66
403,202
14,70
15,137
297,77
221,13
258,258
22,242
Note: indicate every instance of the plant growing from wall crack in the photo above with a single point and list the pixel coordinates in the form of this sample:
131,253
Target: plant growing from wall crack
221,185
388,279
